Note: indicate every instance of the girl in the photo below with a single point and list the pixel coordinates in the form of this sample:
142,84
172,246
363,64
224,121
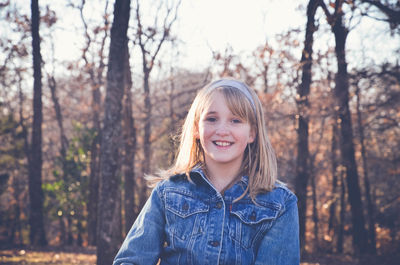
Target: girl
221,202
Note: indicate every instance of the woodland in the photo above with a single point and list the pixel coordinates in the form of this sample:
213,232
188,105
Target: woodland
78,136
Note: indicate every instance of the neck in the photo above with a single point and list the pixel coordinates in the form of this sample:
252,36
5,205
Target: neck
222,175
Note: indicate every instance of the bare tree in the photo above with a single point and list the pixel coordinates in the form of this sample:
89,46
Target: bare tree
37,233
66,233
109,210
390,9
95,70
263,56
150,40
333,220
341,91
303,90
368,196
129,135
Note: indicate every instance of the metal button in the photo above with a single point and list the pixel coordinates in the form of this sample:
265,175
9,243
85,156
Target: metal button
219,205
253,216
214,243
185,206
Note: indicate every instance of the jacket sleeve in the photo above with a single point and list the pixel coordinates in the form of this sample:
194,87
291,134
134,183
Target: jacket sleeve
280,245
144,242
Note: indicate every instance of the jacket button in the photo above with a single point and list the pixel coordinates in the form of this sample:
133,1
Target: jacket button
219,205
214,243
185,206
253,216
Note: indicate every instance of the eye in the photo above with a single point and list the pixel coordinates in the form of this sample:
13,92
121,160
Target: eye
211,119
236,120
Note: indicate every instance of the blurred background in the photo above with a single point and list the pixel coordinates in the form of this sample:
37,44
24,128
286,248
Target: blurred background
327,73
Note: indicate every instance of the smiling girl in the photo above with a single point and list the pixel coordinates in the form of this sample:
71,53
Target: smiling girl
221,202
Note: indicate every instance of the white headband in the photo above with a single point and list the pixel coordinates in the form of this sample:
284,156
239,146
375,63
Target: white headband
235,84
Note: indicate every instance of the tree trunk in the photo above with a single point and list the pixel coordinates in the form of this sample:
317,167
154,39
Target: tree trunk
37,233
94,167
63,233
333,220
25,136
302,134
79,240
97,82
70,237
94,183
63,151
360,240
96,78
108,221
370,204
148,37
129,134
172,120
147,134
59,118
340,240
314,204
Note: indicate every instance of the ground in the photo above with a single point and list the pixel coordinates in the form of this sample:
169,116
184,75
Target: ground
87,256
65,256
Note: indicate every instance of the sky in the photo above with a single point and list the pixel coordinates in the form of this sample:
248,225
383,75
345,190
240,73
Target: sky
204,26
215,24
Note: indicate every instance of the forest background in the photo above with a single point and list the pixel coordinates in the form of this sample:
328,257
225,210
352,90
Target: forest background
102,107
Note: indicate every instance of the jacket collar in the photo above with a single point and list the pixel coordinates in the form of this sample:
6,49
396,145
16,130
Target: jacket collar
198,169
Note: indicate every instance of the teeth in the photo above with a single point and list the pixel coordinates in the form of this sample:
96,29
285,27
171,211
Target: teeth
222,143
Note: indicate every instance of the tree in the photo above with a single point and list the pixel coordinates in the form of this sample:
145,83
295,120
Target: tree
11,153
37,233
150,40
370,203
109,214
390,9
63,158
341,92
303,90
129,135
95,69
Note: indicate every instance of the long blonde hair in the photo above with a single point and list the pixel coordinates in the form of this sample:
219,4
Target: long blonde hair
259,162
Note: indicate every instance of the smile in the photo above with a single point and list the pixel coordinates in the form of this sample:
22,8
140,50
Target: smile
220,143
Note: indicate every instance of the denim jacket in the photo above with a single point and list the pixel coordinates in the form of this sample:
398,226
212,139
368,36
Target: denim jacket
191,223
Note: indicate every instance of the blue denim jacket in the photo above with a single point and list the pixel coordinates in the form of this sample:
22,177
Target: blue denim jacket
190,223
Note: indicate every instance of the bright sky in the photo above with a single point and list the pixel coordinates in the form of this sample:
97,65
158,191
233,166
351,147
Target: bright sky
215,24
212,25
244,25
202,26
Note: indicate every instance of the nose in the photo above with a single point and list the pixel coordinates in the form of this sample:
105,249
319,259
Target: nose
222,129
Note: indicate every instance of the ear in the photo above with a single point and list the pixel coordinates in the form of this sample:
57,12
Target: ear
252,136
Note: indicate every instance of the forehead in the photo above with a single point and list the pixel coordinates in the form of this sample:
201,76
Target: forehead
215,100
223,99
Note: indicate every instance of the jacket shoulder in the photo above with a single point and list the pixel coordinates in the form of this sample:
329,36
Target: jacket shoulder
171,182
279,195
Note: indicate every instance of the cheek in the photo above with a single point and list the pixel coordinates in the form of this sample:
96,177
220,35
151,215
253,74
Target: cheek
204,131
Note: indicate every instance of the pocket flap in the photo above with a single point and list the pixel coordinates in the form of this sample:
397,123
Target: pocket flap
184,205
254,214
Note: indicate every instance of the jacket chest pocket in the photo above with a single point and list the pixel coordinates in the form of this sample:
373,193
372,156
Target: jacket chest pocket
185,215
249,222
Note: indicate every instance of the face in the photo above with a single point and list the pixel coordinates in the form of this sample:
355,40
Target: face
223,135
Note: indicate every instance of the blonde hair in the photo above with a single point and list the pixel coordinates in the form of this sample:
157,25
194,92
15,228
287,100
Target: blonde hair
259,162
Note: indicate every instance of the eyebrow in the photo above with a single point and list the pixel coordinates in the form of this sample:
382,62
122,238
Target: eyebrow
215,112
